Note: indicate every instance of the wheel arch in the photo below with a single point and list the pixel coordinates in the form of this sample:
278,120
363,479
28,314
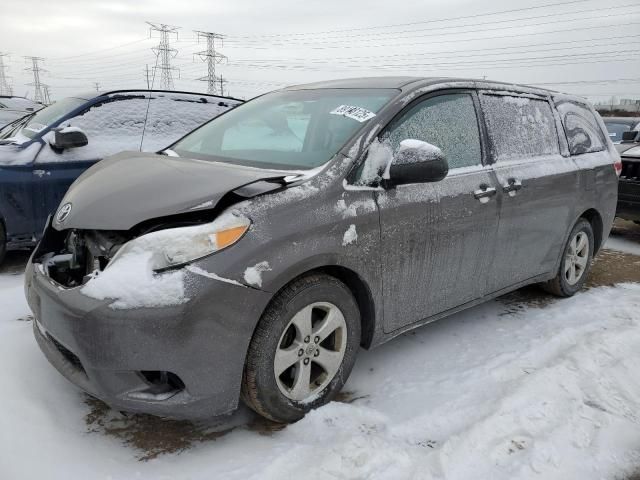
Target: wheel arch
356,284
595,219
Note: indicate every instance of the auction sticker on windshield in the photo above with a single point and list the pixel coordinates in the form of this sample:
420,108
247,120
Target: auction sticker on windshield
357,113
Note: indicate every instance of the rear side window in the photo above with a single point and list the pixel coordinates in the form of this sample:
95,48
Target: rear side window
519,127
447,121
581,127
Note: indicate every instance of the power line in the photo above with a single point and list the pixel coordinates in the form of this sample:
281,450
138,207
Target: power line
212,57
423,22
165,53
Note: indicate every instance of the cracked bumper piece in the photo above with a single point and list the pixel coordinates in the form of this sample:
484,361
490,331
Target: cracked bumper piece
183,361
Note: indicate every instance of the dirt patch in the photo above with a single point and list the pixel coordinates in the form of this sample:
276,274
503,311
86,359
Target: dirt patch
609,268
149,435
627,230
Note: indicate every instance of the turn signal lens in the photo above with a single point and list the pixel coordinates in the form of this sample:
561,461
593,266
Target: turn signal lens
224,238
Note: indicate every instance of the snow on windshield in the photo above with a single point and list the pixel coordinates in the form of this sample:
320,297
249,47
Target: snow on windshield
119,124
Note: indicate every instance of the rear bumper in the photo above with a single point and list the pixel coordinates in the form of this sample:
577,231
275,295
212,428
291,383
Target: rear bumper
628,199
104,351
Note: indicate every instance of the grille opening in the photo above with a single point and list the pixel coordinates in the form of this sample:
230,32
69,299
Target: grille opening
630,170
68,355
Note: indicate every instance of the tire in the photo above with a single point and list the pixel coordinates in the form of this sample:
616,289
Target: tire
3,242
283,337
574,266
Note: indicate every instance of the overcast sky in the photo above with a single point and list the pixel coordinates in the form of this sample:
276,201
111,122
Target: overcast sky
564,45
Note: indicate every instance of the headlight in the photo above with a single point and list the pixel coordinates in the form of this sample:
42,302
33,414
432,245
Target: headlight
177,246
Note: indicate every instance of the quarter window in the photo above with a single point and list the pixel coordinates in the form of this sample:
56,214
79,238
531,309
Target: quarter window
519,127
447,121
580,125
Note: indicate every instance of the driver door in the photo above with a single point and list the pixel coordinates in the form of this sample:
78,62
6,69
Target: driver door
437,238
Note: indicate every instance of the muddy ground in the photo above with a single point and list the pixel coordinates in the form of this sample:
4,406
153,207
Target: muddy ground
150,436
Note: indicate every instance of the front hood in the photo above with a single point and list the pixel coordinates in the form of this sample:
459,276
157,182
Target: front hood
126,189
623,147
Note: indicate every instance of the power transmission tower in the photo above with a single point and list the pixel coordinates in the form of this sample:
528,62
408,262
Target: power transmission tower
212,58
96,86
40,92
5,88
164,53
47,94
222,81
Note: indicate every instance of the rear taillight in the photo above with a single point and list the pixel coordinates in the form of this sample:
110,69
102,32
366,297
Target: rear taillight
618,166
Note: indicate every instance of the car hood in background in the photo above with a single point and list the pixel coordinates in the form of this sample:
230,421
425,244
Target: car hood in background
623,147
131,187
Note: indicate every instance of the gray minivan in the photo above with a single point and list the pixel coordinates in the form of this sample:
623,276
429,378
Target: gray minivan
257,254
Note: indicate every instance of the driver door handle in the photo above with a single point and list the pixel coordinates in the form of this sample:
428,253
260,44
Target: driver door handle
513,185
485,192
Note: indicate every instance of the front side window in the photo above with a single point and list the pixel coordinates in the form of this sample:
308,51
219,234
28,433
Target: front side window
581,127
447,121
520,127
50,115
291,129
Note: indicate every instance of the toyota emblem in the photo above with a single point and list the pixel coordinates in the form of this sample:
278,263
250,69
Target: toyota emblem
63,213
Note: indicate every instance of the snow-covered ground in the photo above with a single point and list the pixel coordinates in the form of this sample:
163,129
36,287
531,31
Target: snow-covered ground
527,386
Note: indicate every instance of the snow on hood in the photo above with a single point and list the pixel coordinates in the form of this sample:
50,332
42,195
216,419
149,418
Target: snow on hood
131,187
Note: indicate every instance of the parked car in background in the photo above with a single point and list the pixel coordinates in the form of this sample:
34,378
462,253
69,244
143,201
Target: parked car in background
629,186
257,255
43,153
618,127
12,108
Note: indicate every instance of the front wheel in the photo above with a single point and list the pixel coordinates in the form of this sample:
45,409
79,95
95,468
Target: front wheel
303,349
575,263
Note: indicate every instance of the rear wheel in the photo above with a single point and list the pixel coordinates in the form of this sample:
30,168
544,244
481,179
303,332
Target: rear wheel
303,349
575,263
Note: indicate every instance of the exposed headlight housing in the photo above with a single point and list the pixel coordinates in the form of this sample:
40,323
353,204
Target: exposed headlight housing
177,246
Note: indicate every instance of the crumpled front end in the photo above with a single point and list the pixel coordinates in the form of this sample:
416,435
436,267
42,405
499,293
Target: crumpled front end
181,360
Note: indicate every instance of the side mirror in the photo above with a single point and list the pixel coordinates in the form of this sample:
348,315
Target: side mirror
417,162
630,136
69,137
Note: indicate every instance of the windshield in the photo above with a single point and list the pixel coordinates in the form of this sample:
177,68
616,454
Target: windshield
49,115
299,129
616,130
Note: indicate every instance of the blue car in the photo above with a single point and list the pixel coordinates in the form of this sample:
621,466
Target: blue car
42,153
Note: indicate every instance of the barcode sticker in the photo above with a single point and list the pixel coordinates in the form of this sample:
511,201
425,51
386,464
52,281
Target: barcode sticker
356,113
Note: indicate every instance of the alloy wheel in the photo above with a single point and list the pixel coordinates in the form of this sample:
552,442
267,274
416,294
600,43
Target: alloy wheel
310,351
576,258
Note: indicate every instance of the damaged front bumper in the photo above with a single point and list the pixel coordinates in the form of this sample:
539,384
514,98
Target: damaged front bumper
182,361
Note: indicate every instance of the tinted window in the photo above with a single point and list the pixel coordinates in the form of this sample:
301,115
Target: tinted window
580,125
519,127
447,121
616,130
297,129
50,115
